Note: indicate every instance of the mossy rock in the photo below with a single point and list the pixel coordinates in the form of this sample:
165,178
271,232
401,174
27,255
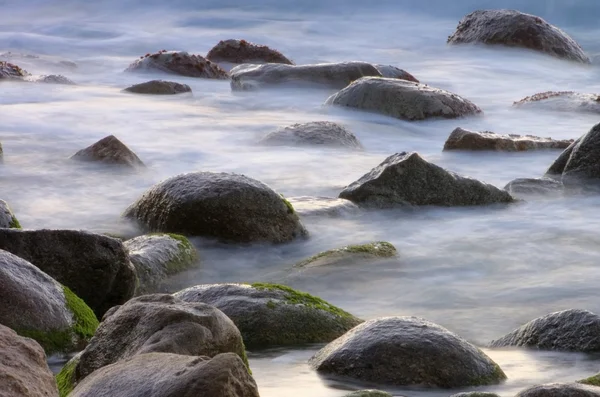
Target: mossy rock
65,379
592,380
368,393
475,394
350,254
7,217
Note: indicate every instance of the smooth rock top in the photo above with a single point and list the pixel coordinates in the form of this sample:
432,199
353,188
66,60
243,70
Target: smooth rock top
178,62
228,207
11,71
562,101
568,330
561,390
159,87
109,150
318,133
462,139
24,371
516,29
363,253
322,206
51,79
242,51
7,217
534,186
395,73
405,179
407,351
402,99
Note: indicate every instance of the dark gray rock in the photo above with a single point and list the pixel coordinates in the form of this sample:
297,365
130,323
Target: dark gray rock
395,73
170,375
402,99
322,206
180,63
561,101
109,150
368,393
316,133
516,29
568,330
461,139
475,394
242,51
51,79
561,390
94,266
7,217
534,186
407,351
228,207
405,179
351,254
159,87
1,154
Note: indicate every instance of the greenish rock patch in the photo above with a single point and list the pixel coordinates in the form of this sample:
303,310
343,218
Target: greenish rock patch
363,252
84,318
65,379
592,380
368,393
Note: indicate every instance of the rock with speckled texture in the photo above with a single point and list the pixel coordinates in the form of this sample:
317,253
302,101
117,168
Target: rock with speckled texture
561,390
561,101
242,51
315,133
462,139
159,87
178,62
109,150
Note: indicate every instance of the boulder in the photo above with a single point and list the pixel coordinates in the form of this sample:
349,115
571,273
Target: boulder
516,29
561,390
402,99
24,371
159,87
11,71
368,393
158,256
461,139
7,217
36,306
322,206
561,101
405,179
51,79
171,375
228,207
407,351
93,266
109,150
242,51
534,186
316,133
272,314
568,330
180,63
349,254
395,73
159,324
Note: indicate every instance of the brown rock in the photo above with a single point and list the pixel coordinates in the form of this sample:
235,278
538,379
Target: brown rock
461,139
180,63
11,71
109,150
242,51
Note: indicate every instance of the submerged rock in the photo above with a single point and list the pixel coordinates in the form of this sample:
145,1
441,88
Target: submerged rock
322,206
159,87
461,139
272,314
39,62
178,62
407,351
7,217
592,380
475,394
395,73
562,101
242,51
368,393
51,79
317,133
405,179
109,150
402,99
228,207
11,71
561,390
534,186
363,253
516,29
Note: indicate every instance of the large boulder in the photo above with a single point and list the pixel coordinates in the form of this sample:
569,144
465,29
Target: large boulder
561,390
228,207
171,375
242,51
534,186
109,150
462,139
7,217
315,133
362,253
178,62
322,206
568,330
158,256
516,29
272,314
561,101
159,87
35,305
402,99
93,266
407,351
24,371
405,179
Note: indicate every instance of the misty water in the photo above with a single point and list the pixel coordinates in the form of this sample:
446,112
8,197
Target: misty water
480,272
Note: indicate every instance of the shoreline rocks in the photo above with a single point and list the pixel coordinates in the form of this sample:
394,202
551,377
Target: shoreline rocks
242,51
109,150
159,87
363,253
562,101
462,139
180,63
7,217
560,389
315,133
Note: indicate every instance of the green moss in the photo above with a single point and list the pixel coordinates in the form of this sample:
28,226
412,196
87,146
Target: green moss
65,379
379,249
592,380
494,378
51,341
271,304
14,223
187,257
84,318
291,209
368,393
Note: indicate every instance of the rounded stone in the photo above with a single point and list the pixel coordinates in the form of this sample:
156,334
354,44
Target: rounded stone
362,253
316,133
178,62
561,390
242,51
159,87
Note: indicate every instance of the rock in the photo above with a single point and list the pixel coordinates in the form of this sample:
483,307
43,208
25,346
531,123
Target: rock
516,29
159,323
11,71
402,99
395,73
159,87
51,79
109,150
7,217
351,254
475,394
178,62
368,393
94,266
324,133
228,207
407,351
561,390
272,314
592,380
36,306
534,186
1,154
568,330
65,379
23,368
39,62
171,375
562,101
461,139
157,256
242,51
407,179
322,206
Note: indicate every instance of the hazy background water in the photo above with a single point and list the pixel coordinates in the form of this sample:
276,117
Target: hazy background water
478,271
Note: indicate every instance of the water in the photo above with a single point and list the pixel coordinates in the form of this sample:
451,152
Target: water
480,272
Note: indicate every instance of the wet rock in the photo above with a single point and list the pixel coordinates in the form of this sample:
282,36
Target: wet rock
368,393
475,394
51,79
11,71
109,150
322,206
36,306
592,380
316,133
242,51
65,379
272,314
405,179
568,330
534,186
23,368
402,99
228,207
7,217
171,375
562,101
94,266
159,323
363,253
178,62
159,87
157,256
407,351
516,29
561,390
395,73
461,139
1,154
